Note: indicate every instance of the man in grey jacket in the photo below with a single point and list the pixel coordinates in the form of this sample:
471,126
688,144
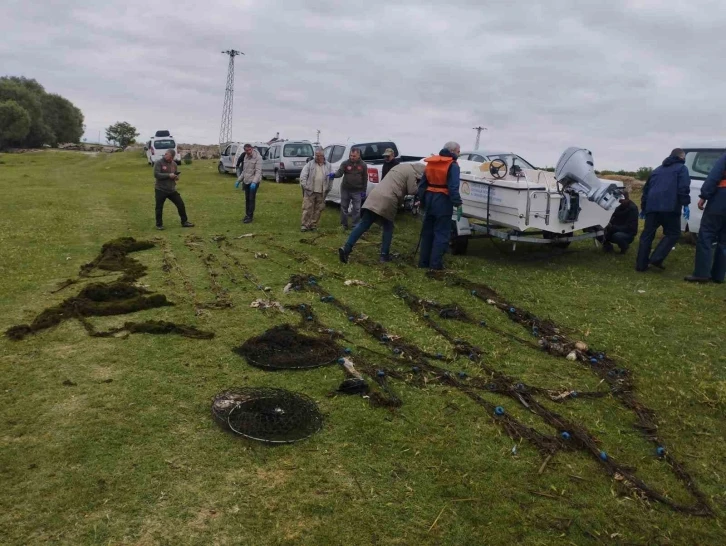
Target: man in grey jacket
250,177
165,176
355,182
316,184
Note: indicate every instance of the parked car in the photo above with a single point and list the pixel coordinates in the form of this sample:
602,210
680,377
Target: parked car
231,152
699,160
371,153
156,147
286,159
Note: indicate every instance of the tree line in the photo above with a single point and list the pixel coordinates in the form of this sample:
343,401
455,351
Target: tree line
31,117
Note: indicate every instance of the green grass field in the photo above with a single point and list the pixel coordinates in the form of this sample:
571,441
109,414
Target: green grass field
128,453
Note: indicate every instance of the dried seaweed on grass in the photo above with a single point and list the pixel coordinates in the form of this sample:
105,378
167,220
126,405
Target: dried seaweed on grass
156,327
114,257
285,348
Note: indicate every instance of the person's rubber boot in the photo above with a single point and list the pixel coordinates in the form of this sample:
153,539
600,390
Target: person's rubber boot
692,278
659,265
343,254
187,224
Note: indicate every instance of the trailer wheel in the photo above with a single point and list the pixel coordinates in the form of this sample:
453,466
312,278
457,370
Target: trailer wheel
458,243
550,235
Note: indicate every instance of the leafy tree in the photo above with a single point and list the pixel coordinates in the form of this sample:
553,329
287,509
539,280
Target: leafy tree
121,133
643,173
14,122
64,119
53,119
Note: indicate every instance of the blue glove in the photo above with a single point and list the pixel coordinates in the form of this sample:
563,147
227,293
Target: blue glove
236,185
253,186
331,175
642,215
687,212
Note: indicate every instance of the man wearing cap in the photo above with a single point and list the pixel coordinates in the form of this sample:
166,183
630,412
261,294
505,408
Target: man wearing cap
390,161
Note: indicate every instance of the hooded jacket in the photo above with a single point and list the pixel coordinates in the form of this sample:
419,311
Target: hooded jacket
668,187
387,196
710,191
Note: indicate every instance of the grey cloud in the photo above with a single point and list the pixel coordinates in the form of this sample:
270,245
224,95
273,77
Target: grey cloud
629,79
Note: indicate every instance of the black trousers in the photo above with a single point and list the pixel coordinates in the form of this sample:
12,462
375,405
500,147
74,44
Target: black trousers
175,198
671,223
250,197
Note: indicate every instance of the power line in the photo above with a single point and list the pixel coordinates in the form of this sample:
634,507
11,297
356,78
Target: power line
225,131
478,135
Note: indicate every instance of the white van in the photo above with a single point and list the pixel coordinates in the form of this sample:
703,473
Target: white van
699,160
156,147
286,158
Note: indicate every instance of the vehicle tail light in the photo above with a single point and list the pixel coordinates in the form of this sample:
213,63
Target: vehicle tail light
282,165
372,175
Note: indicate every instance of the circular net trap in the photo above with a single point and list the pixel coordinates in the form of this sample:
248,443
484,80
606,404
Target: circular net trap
284,348
274,416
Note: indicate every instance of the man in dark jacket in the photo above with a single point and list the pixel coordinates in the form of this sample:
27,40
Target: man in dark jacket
389,161
355,183
710,267
439,194
667,190
165,175
623,226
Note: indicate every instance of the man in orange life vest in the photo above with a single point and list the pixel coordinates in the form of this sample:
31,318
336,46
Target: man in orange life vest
438,192
711,266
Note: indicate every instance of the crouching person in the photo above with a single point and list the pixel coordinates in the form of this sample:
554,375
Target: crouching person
316,181
381,207
623,226
166,176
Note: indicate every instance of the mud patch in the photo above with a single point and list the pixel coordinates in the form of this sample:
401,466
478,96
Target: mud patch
285,348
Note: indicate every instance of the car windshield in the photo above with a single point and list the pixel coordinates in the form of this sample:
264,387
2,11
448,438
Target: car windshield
372,151
508,158
163,144
700,162
298,150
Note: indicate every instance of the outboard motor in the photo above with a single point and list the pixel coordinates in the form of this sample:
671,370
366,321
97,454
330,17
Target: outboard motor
576,171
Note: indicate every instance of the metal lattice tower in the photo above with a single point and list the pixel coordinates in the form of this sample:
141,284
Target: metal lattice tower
478,136
225,131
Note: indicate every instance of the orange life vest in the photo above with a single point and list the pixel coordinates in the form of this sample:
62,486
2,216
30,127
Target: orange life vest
437,170
722,184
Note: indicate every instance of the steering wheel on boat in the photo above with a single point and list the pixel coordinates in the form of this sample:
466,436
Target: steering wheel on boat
498,168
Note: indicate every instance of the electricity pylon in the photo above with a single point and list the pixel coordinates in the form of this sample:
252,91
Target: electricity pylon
478,136
225,131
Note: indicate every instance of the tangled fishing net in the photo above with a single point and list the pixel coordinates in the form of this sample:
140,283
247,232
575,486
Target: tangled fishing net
274,416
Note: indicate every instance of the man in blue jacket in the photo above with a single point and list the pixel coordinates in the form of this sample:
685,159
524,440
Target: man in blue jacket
438,192
667,191
713,227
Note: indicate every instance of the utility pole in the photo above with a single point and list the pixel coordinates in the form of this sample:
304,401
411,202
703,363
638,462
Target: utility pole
478,135
225,130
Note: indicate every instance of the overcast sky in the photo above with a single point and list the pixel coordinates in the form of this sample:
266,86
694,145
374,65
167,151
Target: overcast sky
628,79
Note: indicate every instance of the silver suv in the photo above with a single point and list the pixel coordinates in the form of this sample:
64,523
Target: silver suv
286,159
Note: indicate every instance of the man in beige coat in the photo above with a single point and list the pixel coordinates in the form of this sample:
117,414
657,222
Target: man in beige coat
316,182
382,205
251,177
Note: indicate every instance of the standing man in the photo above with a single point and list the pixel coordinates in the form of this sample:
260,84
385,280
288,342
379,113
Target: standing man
713,227
623,226
382,205
389,161
316,182
165,176
250,177
355,182
439,194
667,191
